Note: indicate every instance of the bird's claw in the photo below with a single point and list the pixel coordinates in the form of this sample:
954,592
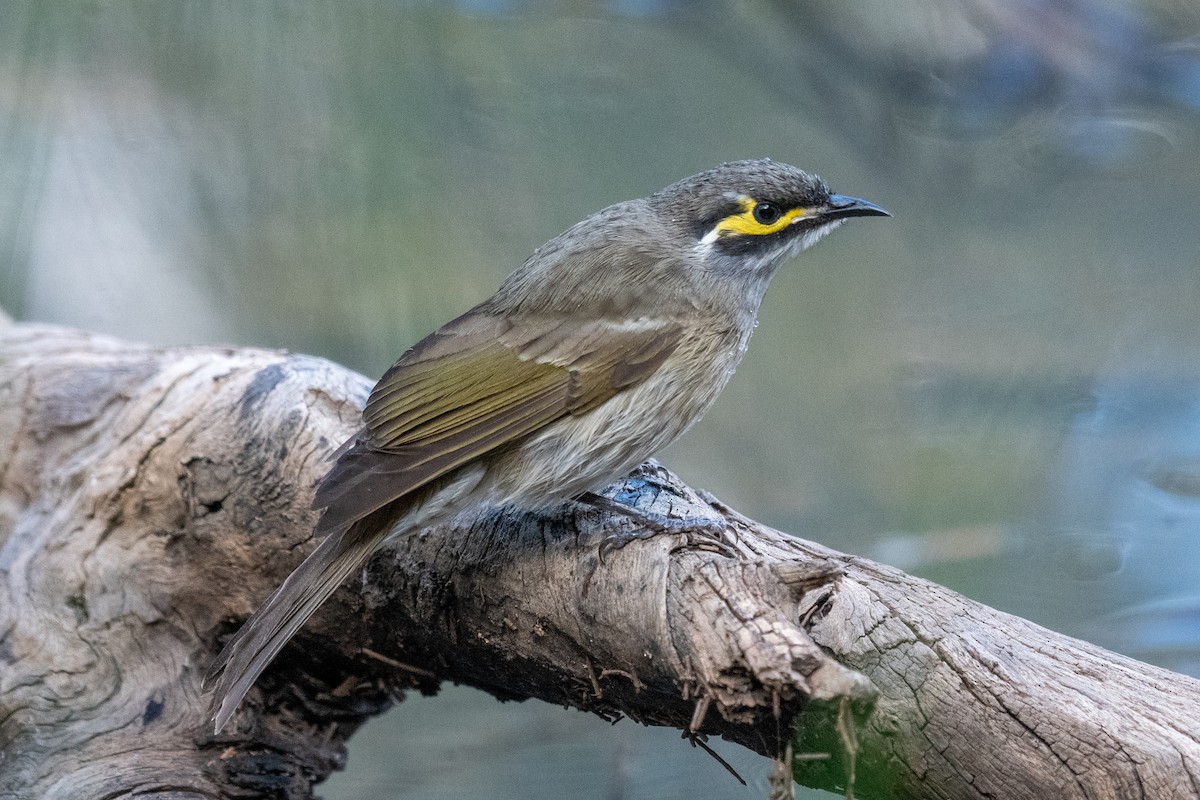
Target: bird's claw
698,532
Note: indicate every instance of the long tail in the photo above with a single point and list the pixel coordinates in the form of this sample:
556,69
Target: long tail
253,647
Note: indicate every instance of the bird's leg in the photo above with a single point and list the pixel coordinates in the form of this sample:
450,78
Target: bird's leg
651,525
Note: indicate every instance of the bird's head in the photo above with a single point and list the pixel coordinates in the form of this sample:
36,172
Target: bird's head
750,216
714,239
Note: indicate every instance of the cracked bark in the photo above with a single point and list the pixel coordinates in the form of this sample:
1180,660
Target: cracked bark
150,499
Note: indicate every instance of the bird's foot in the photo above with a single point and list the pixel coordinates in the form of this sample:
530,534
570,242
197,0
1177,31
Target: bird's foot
699,531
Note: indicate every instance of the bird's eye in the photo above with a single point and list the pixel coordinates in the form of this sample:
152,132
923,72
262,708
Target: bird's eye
767,213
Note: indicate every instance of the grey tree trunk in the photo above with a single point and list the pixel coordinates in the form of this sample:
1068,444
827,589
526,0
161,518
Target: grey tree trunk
150,499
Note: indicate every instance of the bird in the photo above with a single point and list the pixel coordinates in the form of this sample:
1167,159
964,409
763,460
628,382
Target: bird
610,341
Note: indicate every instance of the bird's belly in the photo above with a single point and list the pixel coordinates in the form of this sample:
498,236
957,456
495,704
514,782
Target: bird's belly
587,452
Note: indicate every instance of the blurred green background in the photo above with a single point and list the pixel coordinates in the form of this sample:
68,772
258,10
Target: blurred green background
998,388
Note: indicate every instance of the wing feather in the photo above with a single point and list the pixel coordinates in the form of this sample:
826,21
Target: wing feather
476,385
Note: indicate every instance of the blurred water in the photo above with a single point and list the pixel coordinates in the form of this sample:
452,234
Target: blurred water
998,388
464,744
1125,519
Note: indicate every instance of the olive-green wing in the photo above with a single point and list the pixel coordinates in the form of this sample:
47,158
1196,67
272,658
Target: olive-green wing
478,384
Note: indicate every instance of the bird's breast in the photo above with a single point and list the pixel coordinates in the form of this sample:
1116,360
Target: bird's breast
587,452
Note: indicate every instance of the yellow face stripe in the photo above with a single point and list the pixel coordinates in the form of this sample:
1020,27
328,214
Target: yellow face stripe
743,222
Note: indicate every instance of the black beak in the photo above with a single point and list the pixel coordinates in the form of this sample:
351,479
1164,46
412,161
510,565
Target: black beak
840,206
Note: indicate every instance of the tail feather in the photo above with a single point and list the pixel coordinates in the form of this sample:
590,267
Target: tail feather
269,629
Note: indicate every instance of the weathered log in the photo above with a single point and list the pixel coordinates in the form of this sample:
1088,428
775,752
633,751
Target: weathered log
150,499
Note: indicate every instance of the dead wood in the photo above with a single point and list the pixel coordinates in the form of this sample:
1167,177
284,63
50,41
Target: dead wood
150,499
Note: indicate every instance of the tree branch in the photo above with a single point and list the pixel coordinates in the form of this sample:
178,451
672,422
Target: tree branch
150,499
